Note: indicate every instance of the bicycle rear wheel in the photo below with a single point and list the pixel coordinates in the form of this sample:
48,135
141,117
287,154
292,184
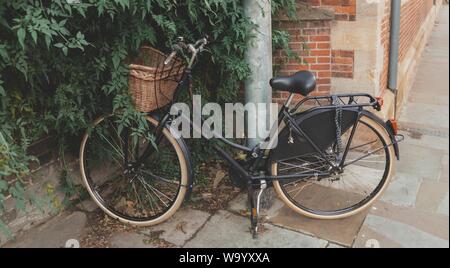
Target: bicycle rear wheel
142,195
367,171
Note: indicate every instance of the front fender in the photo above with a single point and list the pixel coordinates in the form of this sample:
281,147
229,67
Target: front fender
187,155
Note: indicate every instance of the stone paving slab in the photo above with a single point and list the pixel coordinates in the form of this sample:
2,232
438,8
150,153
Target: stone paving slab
404,234
425,221
368,238
433,197
53,234
226,230
342,232
130,240
403,190
431,115
420,161
418,138
181,227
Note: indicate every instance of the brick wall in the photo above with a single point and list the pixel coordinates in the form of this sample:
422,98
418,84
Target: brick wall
310,40
413,15
344,9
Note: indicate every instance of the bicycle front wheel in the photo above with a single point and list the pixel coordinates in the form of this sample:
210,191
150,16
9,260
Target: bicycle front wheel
366,174
134,177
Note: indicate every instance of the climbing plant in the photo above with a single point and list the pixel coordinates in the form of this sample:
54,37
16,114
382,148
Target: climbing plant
62,64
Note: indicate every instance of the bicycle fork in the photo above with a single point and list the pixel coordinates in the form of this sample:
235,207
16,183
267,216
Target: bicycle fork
255,193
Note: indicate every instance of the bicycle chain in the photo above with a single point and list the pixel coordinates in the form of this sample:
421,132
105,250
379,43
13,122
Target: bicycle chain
338,121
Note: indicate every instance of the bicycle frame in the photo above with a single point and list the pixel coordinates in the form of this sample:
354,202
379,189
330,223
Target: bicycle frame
259,157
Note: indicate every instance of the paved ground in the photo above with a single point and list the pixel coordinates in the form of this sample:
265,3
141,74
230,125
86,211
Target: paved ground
413,213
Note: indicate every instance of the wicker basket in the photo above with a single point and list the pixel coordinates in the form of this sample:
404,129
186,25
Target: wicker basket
152,84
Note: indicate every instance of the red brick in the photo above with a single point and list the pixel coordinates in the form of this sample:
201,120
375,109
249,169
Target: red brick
320,38
323,59
320,53
320,67
324,74
323,45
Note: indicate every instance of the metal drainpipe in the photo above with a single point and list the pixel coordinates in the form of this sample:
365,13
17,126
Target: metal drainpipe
395,44
259,58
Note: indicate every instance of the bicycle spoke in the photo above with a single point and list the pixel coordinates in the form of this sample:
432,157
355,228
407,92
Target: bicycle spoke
137,195
121,140
360,146
151,174
154,190
364,157
116,149
150,199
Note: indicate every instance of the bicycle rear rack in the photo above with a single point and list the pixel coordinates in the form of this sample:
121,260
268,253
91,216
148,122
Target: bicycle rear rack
345,100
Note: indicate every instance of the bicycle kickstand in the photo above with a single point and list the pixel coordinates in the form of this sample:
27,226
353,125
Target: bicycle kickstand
255,203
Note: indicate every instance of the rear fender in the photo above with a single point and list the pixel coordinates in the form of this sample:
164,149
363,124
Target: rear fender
390,129
319,126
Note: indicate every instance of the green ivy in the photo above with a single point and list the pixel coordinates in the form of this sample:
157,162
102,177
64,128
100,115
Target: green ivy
62,63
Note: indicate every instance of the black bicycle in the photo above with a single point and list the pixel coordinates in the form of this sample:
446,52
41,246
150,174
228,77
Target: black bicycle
333,160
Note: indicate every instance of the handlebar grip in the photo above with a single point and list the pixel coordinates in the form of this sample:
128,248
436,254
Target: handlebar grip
170,58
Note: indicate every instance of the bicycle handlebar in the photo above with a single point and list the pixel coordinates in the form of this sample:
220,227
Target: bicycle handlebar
194,49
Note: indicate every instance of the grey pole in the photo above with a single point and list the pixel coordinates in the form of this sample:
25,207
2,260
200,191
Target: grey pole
259,57
396,6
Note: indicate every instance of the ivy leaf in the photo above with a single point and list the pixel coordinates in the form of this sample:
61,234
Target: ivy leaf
34,36
18,193
59,45
21,36
48,41
3,185
116,60
2,94
5,230
4,53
